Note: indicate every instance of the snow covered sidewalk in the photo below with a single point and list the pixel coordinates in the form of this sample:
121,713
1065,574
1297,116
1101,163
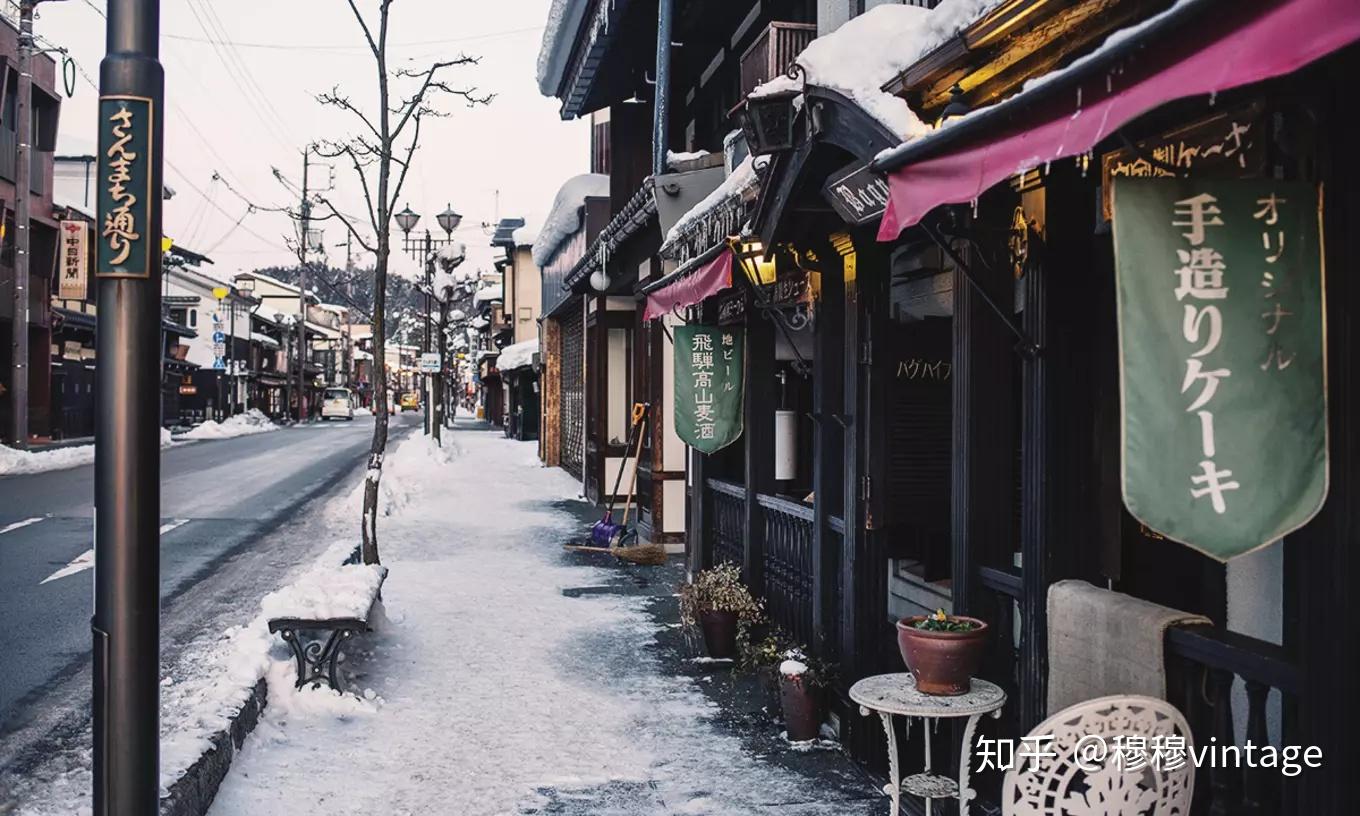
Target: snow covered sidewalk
508,677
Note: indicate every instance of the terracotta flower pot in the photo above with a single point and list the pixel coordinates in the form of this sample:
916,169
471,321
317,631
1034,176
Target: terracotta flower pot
720,633
942,662
802,705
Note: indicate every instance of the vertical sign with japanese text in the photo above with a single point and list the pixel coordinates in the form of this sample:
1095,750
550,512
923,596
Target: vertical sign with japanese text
73,265
125,193
1222,358
709,385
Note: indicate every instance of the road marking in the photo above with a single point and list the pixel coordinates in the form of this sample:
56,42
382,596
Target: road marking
81,563
165,528
18,525
85,560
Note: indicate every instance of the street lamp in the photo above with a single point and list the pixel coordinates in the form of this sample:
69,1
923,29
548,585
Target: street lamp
448,219
406,219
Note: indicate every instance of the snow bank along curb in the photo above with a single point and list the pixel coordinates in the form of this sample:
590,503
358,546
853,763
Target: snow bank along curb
251,422
14,462
193,791
192,794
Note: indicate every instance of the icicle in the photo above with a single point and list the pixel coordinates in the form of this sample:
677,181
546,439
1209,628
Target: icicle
1213,98
975,208
1047,164
1109,82
1078,97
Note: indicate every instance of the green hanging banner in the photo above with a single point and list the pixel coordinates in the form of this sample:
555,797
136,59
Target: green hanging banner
710,370
1222,358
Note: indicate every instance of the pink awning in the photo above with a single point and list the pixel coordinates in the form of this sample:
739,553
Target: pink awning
707,280
1224,50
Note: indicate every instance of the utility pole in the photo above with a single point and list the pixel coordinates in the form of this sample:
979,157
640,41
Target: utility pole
23,184
425,344
126,624
306,220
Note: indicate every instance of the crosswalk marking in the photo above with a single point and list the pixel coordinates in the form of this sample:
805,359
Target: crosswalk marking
85,560
18,525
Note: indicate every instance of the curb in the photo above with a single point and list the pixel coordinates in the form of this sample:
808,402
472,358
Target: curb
193,793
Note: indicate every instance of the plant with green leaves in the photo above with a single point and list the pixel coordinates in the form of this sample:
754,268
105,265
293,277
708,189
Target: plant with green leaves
941,621
719,590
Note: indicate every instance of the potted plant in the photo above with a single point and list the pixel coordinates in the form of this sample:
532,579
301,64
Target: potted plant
717,602
941,650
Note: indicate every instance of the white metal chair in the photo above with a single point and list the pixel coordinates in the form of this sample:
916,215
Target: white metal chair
1112,756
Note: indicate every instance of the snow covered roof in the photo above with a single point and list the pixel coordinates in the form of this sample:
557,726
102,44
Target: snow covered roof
487,295
568,214
519,355
527,234
559,33
864,54
264,340
728,195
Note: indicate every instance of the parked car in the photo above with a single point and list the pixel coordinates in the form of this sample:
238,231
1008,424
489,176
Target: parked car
337,403
410,401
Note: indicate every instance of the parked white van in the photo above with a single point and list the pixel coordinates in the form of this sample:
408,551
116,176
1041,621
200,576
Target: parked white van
337,403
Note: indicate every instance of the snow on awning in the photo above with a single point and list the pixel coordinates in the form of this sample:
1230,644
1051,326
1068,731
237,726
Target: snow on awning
1181,52
519,355
689,289
264,340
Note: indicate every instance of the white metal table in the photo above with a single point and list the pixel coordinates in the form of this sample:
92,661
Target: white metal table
889,694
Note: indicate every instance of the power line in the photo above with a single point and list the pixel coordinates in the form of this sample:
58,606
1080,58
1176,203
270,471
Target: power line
350,47
236,74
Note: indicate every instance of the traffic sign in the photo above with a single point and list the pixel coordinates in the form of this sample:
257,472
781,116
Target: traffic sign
429,363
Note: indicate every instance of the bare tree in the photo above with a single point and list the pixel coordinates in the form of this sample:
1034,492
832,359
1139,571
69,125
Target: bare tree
381,153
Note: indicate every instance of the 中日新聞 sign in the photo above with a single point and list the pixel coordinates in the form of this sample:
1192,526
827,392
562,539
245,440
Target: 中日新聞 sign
1222,358
125,187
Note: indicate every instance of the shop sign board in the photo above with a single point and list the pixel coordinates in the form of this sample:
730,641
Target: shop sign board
73,277
429,363
857,194
1222,358
709,385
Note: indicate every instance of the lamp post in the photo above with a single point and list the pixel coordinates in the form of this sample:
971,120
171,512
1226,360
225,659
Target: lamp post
126,623
424,250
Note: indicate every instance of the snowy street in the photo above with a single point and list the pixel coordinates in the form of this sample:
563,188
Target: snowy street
227,506
511,677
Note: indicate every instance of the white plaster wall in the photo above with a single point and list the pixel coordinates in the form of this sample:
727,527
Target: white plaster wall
1256,608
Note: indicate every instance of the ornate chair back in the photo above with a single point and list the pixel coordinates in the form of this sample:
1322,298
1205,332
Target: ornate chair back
1111,756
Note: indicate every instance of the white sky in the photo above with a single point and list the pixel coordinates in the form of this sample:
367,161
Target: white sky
258,113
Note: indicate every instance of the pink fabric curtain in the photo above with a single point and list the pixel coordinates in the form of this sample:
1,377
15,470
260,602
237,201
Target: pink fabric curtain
707,280
1224,51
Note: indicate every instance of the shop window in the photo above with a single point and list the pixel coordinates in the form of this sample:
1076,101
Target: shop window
619,382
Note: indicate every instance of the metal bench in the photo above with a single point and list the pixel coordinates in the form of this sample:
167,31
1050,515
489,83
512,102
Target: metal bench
317,643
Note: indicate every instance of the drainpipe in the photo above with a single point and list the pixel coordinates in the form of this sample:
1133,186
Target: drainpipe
661,108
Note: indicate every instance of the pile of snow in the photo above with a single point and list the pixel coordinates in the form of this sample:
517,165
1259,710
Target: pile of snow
19,462
864,54
567,214
742,179
793,668
526,235
519,355
674,158
327,593
251,422
414,466
360,412
487,294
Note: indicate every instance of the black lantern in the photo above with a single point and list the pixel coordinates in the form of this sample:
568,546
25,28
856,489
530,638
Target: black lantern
957,108
406,219
767,122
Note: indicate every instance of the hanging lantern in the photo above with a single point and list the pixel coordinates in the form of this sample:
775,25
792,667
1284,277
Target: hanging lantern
767,122
754,260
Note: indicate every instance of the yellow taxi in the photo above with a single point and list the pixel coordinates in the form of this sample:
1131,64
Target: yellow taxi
410,401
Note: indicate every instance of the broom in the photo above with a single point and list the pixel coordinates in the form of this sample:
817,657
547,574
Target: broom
646,554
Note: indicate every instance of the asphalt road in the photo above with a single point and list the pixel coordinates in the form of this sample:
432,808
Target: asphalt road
219,500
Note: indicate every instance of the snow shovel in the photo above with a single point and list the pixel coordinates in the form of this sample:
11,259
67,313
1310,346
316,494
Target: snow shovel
606,533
